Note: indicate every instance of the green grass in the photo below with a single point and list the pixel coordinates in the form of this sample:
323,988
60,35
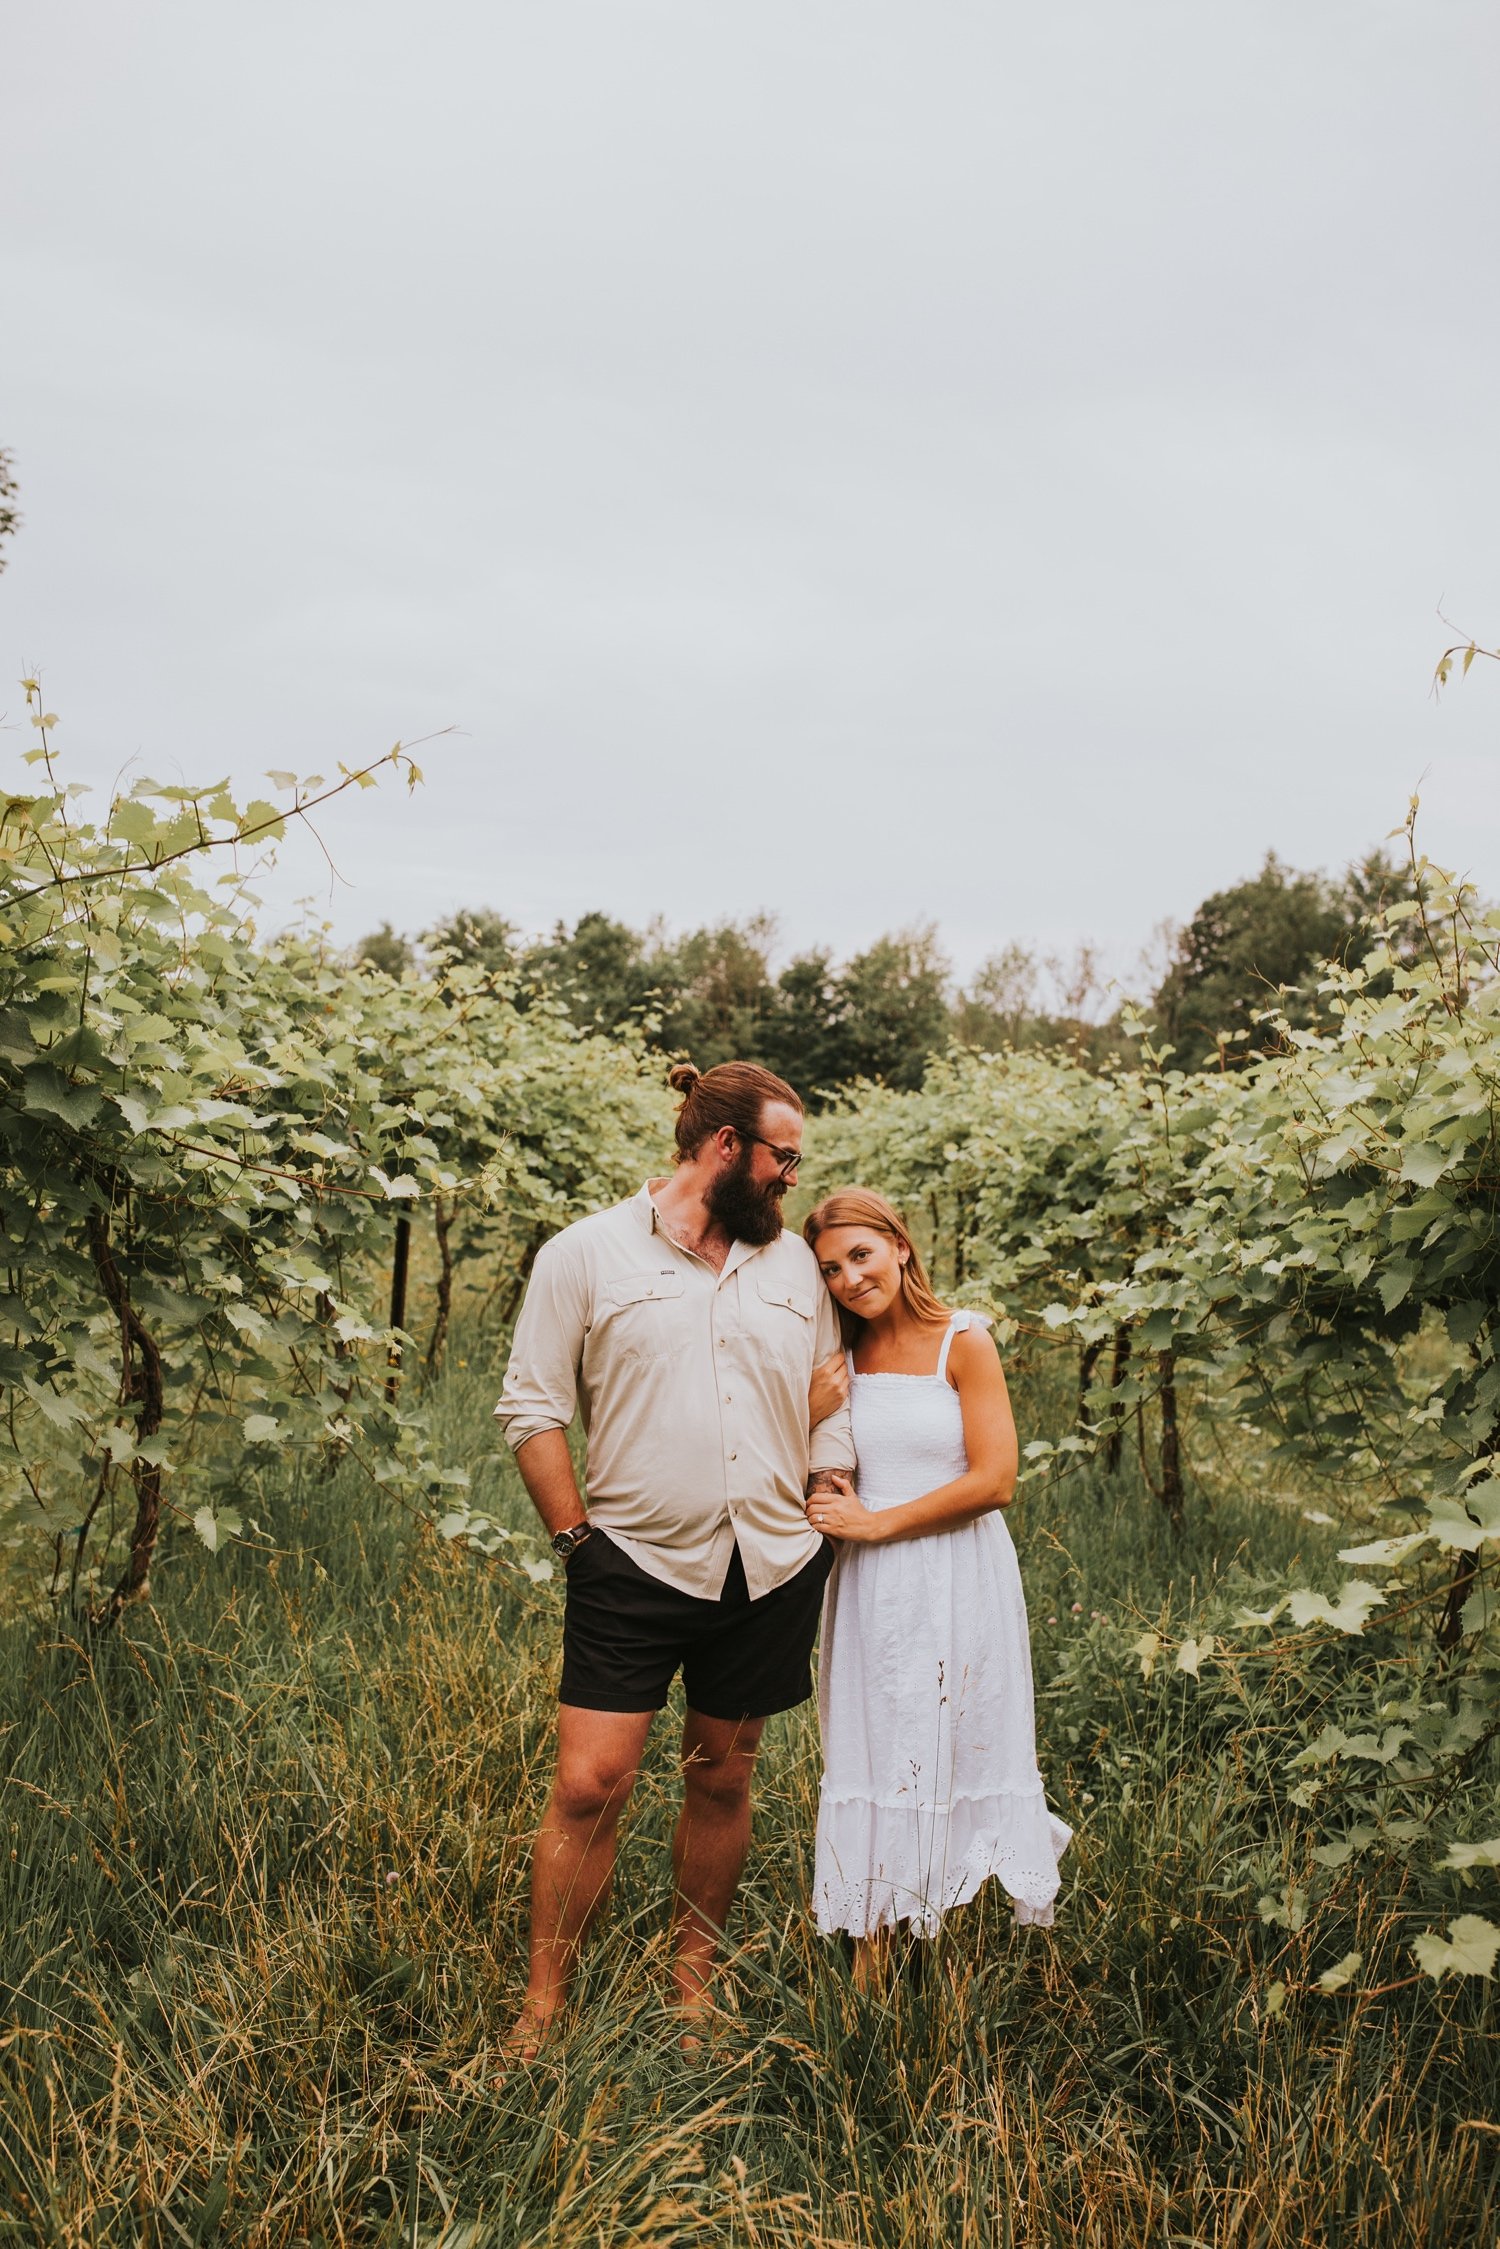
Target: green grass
262,1874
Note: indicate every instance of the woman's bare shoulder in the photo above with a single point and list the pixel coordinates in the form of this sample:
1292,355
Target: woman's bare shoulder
973,1350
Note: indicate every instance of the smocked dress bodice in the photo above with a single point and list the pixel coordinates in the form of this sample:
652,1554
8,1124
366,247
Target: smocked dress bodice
908,1429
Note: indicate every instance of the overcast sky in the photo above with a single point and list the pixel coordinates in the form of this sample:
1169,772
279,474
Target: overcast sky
877,463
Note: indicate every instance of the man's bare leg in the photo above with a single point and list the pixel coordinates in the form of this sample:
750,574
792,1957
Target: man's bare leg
708,1849
598,1757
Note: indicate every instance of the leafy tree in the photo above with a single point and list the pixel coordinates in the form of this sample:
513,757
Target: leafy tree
1248,949
387,950
601,970
717,997
893,1008
805,1039
1370,887
1001,1001
481,939
1019,999
1262,944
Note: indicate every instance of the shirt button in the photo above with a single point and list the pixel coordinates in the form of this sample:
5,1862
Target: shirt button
733,1456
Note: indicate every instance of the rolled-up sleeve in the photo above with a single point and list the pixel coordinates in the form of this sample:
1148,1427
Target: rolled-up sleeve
831,1444
541,1380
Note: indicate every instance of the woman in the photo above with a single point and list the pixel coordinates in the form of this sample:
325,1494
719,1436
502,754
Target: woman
930,1781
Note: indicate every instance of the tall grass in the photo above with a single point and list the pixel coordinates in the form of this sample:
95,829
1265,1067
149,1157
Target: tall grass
262,1922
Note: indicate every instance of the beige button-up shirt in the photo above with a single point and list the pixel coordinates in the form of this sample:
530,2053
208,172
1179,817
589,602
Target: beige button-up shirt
693,1387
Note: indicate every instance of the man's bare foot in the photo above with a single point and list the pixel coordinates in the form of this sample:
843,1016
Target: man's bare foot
695,2029
528,2034
702,2014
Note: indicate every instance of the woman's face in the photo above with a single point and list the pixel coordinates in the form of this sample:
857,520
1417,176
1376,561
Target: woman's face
862,1267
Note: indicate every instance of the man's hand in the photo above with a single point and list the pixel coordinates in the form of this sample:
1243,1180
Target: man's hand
829,1388
835,1508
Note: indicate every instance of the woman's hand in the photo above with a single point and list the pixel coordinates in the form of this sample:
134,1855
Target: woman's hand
838,1512
829,1388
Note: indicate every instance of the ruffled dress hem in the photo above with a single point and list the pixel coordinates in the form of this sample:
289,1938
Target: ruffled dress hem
926,1863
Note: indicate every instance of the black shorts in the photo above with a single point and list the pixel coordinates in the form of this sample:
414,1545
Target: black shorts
625,1635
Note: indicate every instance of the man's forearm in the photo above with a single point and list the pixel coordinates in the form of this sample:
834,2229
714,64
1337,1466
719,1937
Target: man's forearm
821,1480
546,1467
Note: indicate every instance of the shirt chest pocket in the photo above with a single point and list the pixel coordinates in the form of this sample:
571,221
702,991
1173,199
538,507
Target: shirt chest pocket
784,1323
641,1315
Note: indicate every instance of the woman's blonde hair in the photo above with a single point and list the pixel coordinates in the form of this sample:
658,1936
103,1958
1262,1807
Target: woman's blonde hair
861,1206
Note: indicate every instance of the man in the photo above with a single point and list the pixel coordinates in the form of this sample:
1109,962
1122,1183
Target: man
686,1325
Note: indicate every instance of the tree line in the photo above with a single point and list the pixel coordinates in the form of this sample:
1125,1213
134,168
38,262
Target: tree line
715,992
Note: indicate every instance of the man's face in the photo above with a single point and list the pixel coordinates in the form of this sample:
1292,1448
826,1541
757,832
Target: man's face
746,1196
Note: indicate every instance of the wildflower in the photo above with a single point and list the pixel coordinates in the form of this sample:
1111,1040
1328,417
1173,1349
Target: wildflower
1077,1608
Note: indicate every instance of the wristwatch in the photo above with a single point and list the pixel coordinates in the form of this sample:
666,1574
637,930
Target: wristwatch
567,1543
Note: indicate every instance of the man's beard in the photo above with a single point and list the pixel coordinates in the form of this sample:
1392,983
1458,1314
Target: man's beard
746,1212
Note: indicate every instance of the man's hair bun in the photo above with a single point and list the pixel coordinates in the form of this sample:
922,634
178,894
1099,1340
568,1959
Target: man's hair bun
731,1093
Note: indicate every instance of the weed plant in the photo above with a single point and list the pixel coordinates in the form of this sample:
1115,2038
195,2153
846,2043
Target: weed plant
262,1922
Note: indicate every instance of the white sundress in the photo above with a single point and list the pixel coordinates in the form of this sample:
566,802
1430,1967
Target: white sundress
930,1780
